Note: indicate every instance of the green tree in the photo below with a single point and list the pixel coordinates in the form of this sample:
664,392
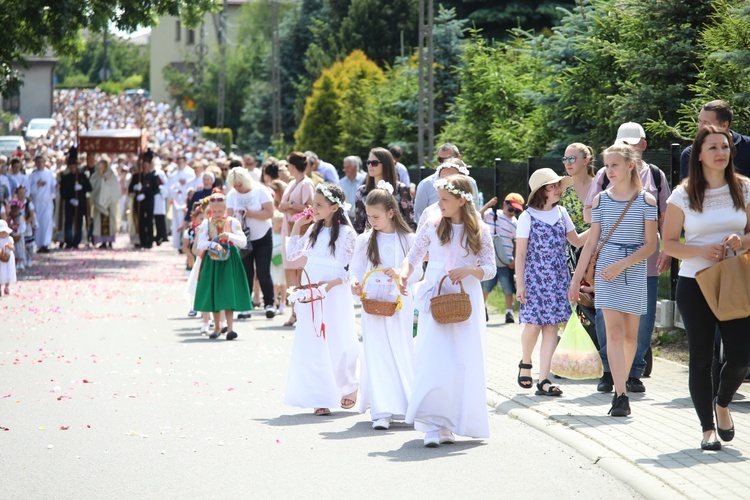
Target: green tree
319,128
35,26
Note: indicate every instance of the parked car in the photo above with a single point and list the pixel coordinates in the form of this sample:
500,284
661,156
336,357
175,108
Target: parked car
133,93
10,143
38,127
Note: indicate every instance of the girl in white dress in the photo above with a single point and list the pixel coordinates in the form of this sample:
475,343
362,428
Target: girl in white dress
449,391
7,269
323,365
388,363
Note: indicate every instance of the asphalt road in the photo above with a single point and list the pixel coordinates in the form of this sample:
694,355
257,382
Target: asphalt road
108,390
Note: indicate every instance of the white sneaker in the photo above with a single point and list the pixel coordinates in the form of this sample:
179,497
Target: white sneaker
381,424
431,439
446,436
205,328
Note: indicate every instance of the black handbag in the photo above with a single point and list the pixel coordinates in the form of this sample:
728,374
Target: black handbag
248,249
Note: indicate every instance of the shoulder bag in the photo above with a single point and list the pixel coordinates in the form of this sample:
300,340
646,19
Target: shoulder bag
726,287
590,272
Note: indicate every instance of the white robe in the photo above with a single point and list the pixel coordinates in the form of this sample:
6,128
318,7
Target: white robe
8,269
178,194
44,201
450,384
388,364
323,370
105,200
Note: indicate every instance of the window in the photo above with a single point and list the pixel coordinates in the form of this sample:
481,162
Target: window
191,37
12,103
178,34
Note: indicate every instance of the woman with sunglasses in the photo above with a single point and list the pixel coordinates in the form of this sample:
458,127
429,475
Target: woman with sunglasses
222,284
579,163
381,166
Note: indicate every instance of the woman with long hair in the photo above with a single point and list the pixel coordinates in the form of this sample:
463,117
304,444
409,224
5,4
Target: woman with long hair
713,207
382,167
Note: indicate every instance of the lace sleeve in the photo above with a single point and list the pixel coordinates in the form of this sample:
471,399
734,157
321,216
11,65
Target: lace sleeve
407,205
360,215
349,244
420,246
296,247
358,266
486,255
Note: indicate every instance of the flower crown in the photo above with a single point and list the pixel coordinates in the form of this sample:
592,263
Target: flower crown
444,184
461,167
323,189
384,185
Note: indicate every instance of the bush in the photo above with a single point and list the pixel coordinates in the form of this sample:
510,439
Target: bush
132,82
110,87
223,136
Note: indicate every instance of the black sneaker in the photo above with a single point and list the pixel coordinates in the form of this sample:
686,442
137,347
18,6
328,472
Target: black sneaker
231,335
606,384
214,335
635,385
270,312
509,318
486,314
620,407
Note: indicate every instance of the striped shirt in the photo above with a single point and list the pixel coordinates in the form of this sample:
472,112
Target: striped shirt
504,227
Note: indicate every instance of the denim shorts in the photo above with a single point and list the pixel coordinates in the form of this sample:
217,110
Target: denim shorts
504,277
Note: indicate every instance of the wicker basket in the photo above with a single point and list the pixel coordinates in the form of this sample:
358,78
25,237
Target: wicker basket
309,286
4,255
378,307
451,307
222,254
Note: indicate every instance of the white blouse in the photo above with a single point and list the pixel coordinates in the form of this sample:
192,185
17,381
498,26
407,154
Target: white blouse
252,200
299,246
718,220
236,237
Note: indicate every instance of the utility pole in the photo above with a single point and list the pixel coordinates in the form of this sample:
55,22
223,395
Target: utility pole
426,97
222,39
105,63
202,49
276,131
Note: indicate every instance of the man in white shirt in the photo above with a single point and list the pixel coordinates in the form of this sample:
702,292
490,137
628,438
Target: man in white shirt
326,170
179,185
353,178
426,193
17,174
251,164
43,192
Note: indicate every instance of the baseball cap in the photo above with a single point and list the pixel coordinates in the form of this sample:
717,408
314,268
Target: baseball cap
630,133
515,200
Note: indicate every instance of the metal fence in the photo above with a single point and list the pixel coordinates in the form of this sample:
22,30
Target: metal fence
506,176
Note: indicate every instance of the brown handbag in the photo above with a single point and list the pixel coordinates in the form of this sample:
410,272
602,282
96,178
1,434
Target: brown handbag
726,287
590,272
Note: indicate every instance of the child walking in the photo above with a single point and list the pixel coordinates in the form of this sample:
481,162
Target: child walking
323,364
388,363
449,390
621,273
7,259
222,284
542,274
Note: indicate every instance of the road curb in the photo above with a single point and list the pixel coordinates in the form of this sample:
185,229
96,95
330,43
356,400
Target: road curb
622,469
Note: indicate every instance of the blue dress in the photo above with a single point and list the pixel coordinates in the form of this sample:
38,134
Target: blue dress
546,275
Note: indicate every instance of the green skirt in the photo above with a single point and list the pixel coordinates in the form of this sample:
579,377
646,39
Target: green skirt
222,285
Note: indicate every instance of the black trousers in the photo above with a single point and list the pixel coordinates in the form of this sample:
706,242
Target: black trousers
146,223
261,257
161,228
700,326
73,226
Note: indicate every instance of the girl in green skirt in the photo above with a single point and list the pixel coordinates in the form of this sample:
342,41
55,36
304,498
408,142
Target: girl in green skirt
222,285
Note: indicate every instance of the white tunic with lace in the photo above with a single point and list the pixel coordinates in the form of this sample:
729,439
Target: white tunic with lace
388,363
449,389
324,369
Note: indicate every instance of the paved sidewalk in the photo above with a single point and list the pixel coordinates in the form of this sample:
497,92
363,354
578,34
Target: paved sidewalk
660,440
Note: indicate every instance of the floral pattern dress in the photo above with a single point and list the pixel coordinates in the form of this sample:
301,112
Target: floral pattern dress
546,275
574,206
403,197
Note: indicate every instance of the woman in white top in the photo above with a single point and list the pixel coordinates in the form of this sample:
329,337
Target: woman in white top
713,207
252,205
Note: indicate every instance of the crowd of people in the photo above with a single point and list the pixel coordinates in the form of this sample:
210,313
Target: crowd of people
266,234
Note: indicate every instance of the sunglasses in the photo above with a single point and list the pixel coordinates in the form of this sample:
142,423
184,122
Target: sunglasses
216,198
512,209
441,160
374,163
569,159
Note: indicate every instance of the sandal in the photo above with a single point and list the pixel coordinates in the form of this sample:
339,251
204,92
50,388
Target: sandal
291,321
322,411
552,390
524,382
352,400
